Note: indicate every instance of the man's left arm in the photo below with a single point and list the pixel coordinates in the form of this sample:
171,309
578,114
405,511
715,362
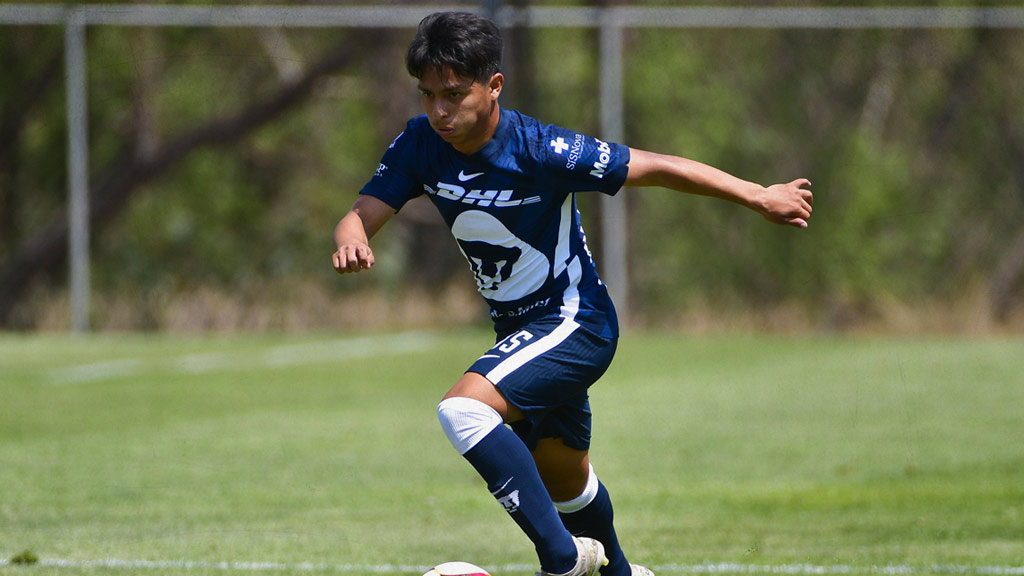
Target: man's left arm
789,203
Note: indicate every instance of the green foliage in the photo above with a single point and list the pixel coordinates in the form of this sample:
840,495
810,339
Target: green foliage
32,135
868,117
703,103
566,84
229,217
912,139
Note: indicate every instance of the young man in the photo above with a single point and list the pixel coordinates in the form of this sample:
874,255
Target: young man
505,184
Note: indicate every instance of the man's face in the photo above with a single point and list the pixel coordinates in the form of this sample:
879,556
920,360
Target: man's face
463,111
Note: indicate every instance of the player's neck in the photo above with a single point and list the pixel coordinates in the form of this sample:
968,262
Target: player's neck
489,126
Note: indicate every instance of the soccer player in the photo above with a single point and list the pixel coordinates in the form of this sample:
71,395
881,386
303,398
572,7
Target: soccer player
506,185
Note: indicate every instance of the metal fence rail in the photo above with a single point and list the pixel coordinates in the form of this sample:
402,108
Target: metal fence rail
400,17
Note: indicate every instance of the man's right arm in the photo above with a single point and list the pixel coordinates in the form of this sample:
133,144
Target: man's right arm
352,234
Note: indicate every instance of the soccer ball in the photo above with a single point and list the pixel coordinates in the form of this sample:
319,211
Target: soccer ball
456,569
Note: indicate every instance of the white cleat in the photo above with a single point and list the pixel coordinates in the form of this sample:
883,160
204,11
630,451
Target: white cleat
639,571
589,558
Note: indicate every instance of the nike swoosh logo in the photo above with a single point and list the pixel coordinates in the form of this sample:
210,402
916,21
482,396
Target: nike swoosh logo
463,177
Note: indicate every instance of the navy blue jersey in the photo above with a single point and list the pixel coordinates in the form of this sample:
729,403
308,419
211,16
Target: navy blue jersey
512,209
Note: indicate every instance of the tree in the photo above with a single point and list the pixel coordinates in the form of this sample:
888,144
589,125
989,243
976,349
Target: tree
45,249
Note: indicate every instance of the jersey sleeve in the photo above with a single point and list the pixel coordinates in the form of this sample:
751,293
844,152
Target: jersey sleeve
394,182
583,163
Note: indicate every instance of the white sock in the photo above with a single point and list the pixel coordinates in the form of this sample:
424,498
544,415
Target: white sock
466,421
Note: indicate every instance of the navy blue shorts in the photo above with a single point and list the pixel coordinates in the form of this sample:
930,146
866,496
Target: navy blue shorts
545,369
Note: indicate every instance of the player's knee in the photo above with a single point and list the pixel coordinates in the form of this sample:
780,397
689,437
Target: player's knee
466,421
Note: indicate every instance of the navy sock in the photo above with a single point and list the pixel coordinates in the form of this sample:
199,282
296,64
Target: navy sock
505,463
595,521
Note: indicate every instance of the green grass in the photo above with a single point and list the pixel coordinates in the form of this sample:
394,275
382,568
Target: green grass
748,451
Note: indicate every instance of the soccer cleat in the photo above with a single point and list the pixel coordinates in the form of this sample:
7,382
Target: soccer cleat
635,570
589,558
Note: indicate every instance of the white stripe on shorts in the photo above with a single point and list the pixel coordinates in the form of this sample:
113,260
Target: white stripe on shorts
531,351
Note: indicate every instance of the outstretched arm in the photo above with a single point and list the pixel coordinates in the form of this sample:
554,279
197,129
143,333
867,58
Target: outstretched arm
788,203
352,234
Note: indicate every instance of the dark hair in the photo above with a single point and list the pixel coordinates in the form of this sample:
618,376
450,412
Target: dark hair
467,43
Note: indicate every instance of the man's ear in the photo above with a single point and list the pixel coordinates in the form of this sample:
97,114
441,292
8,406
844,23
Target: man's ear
494,86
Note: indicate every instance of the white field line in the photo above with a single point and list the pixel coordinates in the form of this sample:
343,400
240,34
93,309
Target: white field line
274,357
707,568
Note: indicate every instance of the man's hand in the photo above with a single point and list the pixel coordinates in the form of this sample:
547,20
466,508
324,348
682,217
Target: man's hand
790,203
353,258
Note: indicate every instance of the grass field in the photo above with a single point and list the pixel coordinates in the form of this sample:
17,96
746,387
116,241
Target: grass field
811,455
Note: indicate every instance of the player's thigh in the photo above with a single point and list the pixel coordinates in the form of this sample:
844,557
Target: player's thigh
475,386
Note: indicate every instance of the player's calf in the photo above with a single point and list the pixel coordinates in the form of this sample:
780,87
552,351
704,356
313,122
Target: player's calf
503,461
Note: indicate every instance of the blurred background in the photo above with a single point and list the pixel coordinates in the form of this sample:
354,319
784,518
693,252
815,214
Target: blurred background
220,158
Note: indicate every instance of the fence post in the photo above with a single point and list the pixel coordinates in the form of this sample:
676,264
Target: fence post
614,217
78,168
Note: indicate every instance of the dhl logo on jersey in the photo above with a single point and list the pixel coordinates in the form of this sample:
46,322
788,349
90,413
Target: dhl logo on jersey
482,198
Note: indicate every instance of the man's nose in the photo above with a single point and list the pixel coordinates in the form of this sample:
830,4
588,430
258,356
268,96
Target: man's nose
440,110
